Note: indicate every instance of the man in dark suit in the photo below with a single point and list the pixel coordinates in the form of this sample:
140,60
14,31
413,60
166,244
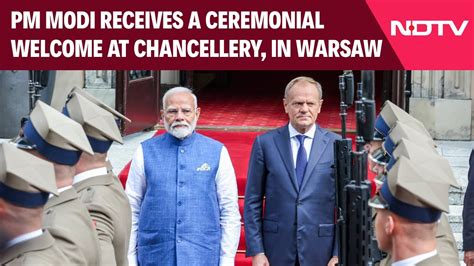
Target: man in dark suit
468,216
290,169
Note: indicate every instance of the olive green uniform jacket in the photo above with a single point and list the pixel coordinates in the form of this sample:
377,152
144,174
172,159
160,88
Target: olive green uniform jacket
69,222
110,210
40,250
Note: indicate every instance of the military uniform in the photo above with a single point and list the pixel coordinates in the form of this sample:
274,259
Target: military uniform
423,156
433,261
37,251
62,141
445,242
100,190
110,210
25,184
409,194
71,225
406,136
98,125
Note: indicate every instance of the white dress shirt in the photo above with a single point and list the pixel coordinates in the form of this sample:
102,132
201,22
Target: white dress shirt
414,260
24,237
60,190
295,144
226,187
89,173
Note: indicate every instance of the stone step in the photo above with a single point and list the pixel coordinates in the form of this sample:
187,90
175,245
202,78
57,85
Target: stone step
455,213
458,237
458,161
456,227
454,148
456,196
461,176
455,218
457,154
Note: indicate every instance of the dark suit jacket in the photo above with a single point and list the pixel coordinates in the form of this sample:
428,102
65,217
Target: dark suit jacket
468,210
295,221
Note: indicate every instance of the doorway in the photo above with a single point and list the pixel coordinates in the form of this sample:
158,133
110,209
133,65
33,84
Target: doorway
137,97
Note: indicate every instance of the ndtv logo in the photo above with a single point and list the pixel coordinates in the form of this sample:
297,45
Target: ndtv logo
425,27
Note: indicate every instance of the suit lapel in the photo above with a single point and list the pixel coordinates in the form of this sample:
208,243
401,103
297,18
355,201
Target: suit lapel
320,142
282,142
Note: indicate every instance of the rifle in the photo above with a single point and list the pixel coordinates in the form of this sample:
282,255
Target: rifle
342,154
38,80
357,245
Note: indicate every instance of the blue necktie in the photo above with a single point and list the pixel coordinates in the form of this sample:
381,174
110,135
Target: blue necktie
301,160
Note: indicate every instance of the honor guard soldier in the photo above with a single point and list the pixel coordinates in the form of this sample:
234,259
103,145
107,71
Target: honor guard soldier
60,140
25,184
397,126
105,199
409,206
442,172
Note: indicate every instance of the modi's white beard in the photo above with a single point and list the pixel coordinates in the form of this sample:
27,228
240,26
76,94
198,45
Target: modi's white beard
180,132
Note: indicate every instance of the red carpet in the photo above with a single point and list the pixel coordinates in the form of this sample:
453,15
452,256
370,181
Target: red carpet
255,98
260,109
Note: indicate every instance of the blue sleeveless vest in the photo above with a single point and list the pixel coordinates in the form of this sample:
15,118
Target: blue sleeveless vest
179,215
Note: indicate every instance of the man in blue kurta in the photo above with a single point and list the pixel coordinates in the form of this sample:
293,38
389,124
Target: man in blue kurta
183,193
